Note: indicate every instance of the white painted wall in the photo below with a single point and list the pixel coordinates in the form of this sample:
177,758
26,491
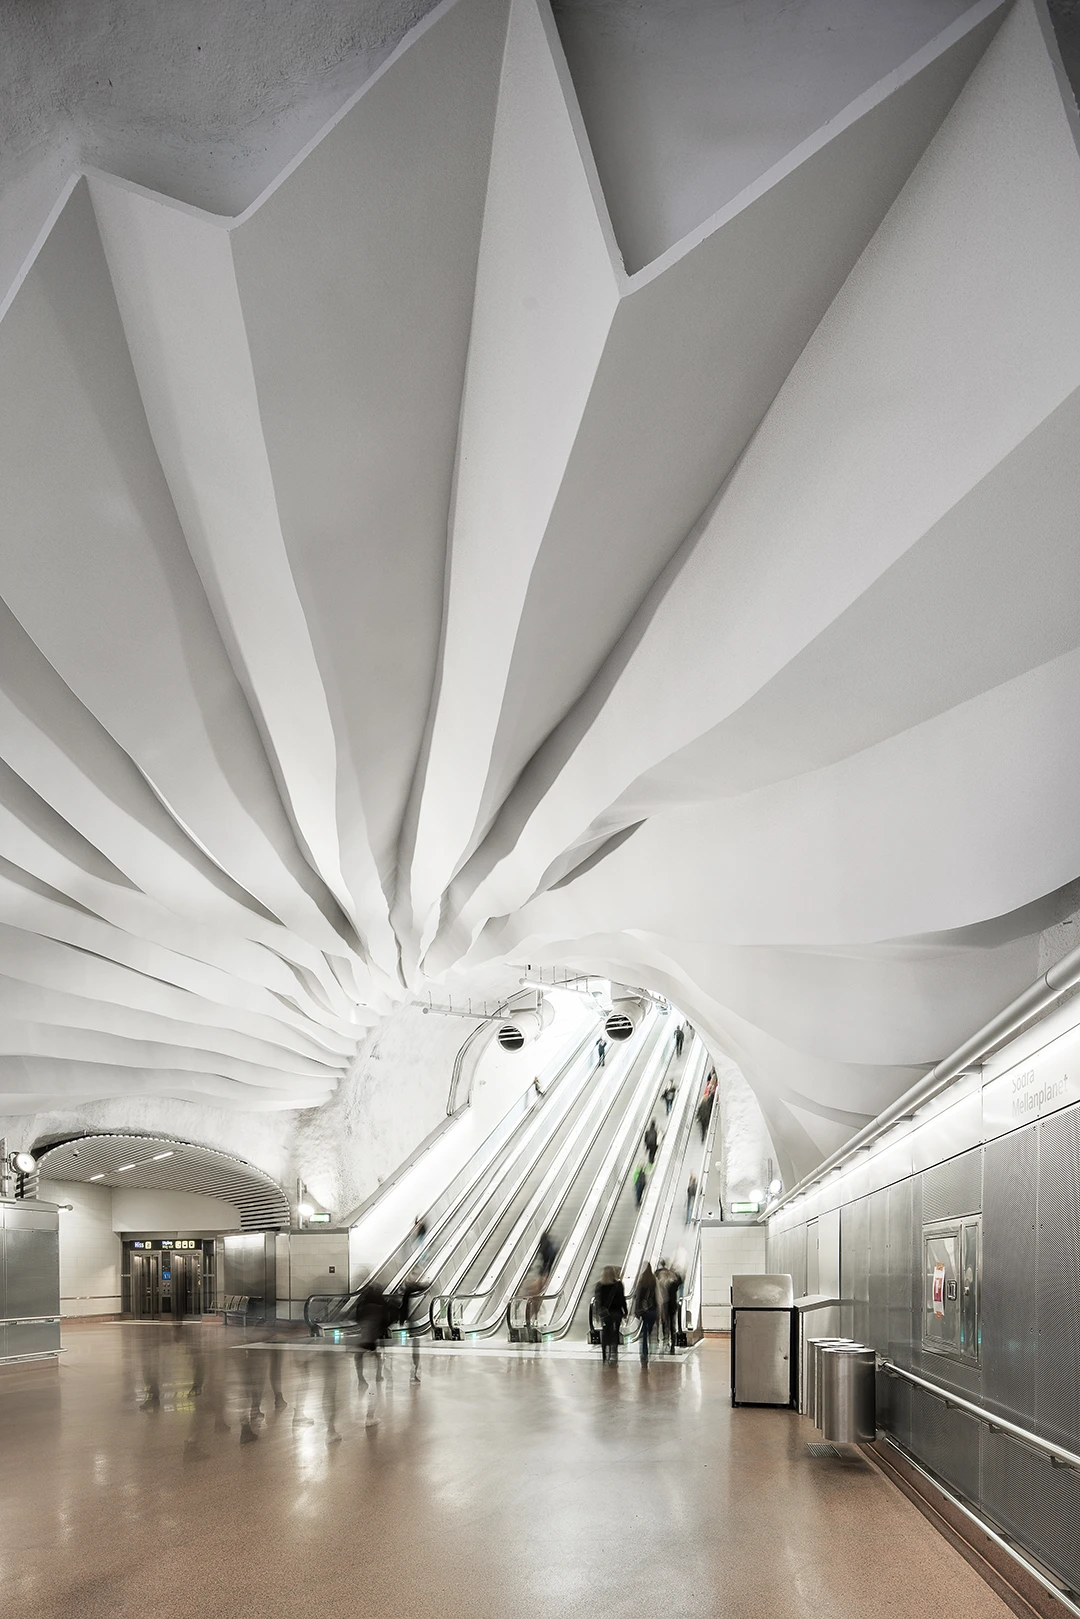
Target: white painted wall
727,1251
136,1209
89,1249
503,1080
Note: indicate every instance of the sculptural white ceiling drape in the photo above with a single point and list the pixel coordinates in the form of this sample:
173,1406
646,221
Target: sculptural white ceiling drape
393,585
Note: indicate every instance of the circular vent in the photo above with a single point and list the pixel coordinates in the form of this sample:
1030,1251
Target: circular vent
510,1037
619,1026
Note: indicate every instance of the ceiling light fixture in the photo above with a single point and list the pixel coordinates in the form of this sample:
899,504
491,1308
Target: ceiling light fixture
120,1171
100,1177
158,1155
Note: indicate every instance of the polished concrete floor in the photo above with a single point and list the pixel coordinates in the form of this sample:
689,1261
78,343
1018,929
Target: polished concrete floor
139,1480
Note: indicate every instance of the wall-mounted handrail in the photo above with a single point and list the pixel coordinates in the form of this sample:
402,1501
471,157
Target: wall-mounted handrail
1058,1455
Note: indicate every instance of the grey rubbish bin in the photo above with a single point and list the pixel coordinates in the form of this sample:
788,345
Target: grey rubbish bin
814,1346
848,1410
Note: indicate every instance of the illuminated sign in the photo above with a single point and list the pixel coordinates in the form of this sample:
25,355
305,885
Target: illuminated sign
745,1208
318,1219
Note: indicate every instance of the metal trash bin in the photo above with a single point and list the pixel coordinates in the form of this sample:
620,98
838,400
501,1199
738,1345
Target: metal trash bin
763,1343
814,1346
848,1409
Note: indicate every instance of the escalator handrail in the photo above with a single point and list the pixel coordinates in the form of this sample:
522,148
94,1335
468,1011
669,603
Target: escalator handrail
479,1189
558,1327
654,1236
488,1191
487,1325
473,1186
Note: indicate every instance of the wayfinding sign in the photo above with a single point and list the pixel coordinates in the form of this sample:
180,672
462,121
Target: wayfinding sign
1041,1084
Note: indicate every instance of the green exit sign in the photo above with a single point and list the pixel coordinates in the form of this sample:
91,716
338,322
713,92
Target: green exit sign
746,1208
324,1219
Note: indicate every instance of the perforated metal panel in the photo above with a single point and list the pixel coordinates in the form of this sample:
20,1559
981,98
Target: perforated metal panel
954,1187
947,1442
878,1270
894,1408
1039,1505
1009,1273
899,1284
855,1269
1057,1403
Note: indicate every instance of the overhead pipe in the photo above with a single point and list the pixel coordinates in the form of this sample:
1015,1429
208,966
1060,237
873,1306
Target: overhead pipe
1064,975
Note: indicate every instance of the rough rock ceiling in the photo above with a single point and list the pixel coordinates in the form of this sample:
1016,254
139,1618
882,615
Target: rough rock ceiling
393,585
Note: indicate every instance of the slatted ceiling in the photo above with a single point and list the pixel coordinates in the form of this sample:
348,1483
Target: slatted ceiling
188,1168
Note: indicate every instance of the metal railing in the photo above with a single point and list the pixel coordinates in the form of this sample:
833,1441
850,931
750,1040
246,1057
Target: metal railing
591,1227
546,1203
1057,1454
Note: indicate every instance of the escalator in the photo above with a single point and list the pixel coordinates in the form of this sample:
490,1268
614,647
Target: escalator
473,1300
515,1141
607,1213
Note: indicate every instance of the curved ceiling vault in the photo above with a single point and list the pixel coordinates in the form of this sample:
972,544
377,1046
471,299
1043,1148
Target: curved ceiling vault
393,584
164,1164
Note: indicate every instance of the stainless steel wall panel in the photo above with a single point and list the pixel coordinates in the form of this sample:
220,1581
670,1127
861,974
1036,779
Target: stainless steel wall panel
947,1442
1035,1503
1057,1358
954,1187
32,1338
878,1270
32,1270
894,1408
1009,1273
855,1269
901,1248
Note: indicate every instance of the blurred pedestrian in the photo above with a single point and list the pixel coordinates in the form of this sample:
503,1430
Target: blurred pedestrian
704,1114
640,1182
668,1094
652,1140
414,1288
372,1331
601,1051
691,1196
679,1037
419,1232
610,1301
645,1302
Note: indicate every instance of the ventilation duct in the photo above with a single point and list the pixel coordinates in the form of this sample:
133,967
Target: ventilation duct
627,1011
523,1027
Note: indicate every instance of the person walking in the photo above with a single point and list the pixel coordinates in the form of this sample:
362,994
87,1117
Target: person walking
668,1095
601,1051
372,1331
669,1306
414,1288
419,1232
645,1309
652,1141
704,1114
679,1037
691,1196
640,1182
610,1301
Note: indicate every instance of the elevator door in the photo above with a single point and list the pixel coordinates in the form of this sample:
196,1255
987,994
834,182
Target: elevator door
146,1286
182,1284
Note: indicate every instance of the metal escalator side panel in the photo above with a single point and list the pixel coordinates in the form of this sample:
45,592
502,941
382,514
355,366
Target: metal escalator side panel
397,1265
498,1195
507,1271
609,1187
